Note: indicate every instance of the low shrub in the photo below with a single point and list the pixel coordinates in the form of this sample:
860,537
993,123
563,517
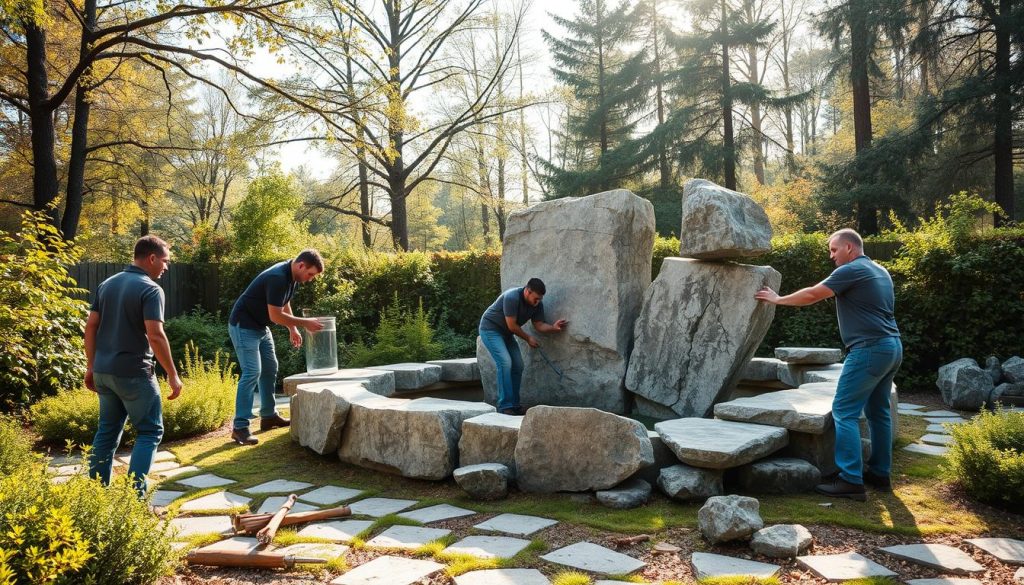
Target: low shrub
201,329
987,458
15,446
403,336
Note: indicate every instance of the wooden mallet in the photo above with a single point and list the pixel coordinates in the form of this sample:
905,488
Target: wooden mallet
266,534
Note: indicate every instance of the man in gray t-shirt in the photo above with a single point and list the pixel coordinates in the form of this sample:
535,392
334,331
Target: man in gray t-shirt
865,307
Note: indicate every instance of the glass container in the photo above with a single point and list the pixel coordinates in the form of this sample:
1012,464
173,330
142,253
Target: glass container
322,348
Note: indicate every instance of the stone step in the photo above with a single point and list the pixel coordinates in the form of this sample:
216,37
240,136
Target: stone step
804,410
412,376
377,381
458,370
720,444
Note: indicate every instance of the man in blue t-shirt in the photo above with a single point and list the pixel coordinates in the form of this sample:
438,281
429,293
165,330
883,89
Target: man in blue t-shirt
267,300
499,326
864,305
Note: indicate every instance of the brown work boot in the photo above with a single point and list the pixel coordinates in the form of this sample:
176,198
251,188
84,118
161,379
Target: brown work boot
273,422
243,437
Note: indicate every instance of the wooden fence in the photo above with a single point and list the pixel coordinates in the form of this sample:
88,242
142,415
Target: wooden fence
185,285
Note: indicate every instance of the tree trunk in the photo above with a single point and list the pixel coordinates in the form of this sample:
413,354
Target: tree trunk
79,134
664,170
1002,143
755,118
396,132
729,169
522,132
44,164
867,221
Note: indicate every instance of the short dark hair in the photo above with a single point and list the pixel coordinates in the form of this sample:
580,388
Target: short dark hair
311,257
147,245
537,286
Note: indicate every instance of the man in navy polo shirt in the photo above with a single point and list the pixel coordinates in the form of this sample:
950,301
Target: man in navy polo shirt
865,306
267,300
124,331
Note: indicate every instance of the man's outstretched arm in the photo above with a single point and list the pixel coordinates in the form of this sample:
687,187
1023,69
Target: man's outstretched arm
800,298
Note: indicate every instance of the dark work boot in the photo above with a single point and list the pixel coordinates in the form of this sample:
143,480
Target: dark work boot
880,483
273,422
243,437
840,488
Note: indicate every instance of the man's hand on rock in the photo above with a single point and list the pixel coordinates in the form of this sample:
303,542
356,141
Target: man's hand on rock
560,325
532,342
767,294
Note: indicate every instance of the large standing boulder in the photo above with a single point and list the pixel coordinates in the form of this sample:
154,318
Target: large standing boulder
725,518
594,255
319,412
719,223
698,329
578,449
1013,370
964,385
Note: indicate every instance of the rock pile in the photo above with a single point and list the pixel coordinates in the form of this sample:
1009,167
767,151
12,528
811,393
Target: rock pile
967,386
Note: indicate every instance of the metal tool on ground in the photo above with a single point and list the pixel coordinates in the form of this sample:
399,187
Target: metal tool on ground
550,365
266,534
252,523
259,559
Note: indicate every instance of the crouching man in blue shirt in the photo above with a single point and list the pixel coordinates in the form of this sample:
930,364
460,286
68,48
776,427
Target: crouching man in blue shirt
864,305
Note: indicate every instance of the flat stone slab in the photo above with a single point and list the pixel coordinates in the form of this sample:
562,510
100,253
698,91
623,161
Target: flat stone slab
164,497
274,503
809,355
945,581
937,428
216,501
65,469
436,513
389,570
206,480
516,524
168,474
330,494
158,457
335,530
279,486
412,376
458,370
489,547
710,565
1007,550
937,439
949,420
376,381
940,413
1019,575
162,466
761,370
909,406
803,410
407,537
595,558
943,557
319,550
377,507
935,450
242,544
503,577
844,567
185,527
720,444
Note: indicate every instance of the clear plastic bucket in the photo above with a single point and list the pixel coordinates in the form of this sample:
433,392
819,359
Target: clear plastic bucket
322,348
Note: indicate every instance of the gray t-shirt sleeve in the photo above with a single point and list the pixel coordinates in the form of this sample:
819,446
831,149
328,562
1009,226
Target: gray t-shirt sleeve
842,278
510,304
539,314
153,304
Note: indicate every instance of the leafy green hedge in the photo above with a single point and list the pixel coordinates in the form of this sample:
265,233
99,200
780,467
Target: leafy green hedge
987,458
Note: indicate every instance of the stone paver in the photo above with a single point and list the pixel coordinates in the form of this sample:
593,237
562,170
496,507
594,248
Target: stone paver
436,513
330,494
943,557
165,497
274,503
937,439
318,550
592,557
1007,550
710,565
335,530
909,406
503,577
720,444
945,581
185,527
169,473
206,480
844,567
407,537
516,524
377,507
65,469
163,466
940,413
1019,576
216,501
389,570
243,544
937,428
279,486
158,457
489,547
949,420
935,450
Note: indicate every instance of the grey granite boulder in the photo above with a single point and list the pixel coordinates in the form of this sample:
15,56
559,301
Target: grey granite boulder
794,375
725,518
1005,389
1013,370
631,493
663,457
782,541
804,410
412,376
699,327
319,412
578,449
964,385
484,481
720,444
761,370
720,223
994,368
686,484
781,475
490,438
458,370
376,381
809,355
594,255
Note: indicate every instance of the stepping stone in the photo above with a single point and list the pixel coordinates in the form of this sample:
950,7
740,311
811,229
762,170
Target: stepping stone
313,549
376,381
65,469
458,370
588,556
207,480
407,537
335,530
941,413
330,494
489,547
185,527
389,570
216,501
411,376
844,567
436,513
164,497
710,565
943,557
72,459
163,466
274,503
169,473
1007,550
1019,576
937,428
377,507
936,439
279,486
944,581
802,409
935,450
720,444
159,457
951,420
516,524
909,406
243,544
503,577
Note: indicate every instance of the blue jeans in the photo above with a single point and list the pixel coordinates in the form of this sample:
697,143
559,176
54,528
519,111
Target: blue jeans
864,386
258,364
122,399
509,362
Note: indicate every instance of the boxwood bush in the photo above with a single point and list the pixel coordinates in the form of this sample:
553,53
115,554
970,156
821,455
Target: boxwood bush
987,458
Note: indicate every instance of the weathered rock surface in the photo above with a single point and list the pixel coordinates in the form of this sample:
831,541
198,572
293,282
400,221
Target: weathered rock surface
699,327
725,518
818,450
484,481
761,370
412,376
803,410
413,438
720,444
794,375
663,457
1013,370
994,368
578,449
319,412
631,493
686,484
376,381
720,223
490,438
964,385
809,355
781,475
1006,389
596,248
782,541
458,370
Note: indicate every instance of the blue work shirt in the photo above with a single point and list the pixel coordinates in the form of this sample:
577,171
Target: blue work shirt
125,302
510,304
274,286
865,301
